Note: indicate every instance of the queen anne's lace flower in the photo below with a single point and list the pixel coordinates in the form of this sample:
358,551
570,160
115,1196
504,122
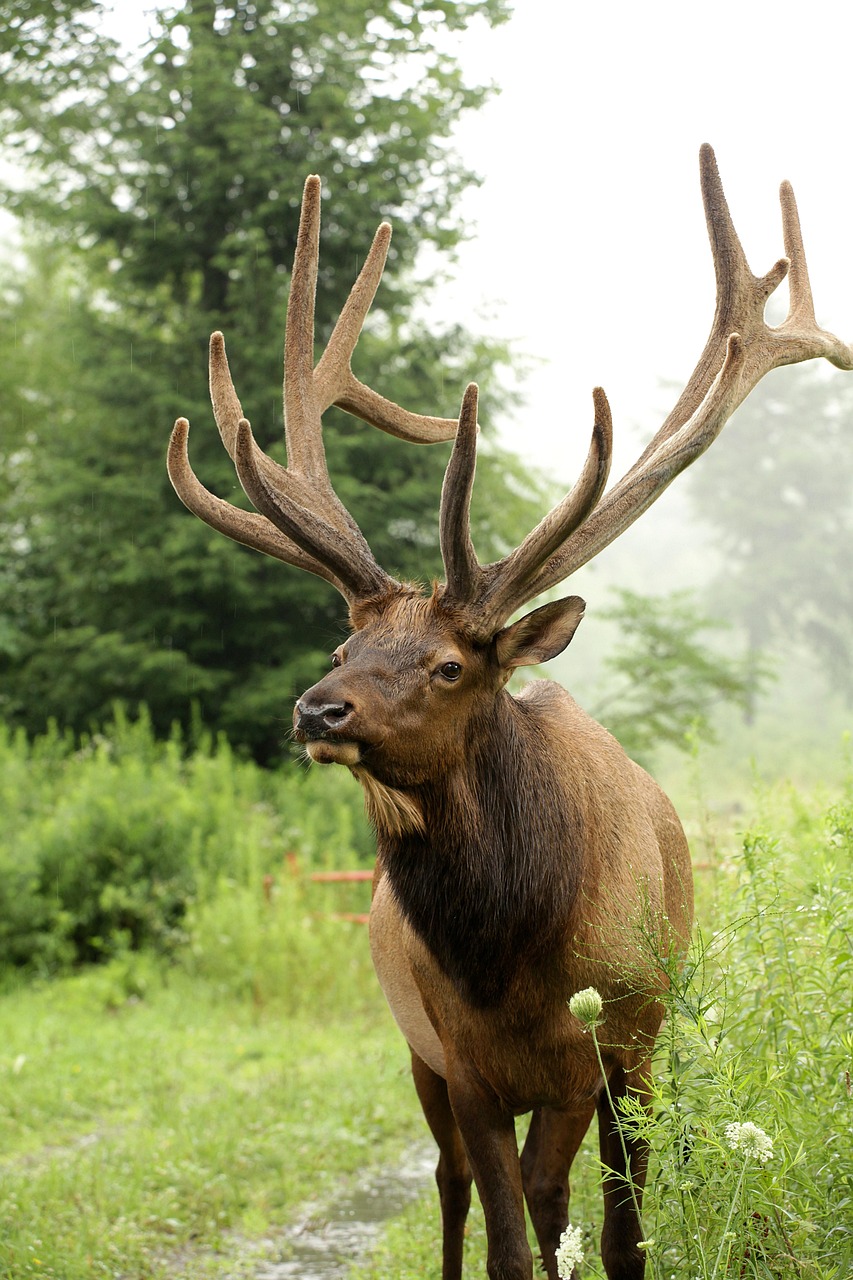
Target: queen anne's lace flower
752,1141
586,1006
570,1253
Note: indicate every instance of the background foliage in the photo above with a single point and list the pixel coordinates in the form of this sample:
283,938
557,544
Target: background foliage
118,844
664,680
162,199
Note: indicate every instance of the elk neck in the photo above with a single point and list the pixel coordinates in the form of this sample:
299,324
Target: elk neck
488,871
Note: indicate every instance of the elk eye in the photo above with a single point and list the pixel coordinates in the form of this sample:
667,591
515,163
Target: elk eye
451,670
335,659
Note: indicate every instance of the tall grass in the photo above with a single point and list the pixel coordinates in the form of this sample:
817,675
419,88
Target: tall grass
751,1127
125,843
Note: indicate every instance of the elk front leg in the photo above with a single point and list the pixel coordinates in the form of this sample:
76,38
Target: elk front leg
622,1230
488,1131
453,1174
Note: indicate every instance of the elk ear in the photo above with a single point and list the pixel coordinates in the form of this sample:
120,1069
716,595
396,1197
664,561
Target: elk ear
541,635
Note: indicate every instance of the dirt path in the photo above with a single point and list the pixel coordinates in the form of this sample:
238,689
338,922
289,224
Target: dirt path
329,1237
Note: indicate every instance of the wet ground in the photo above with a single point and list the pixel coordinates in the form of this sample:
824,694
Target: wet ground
330,1238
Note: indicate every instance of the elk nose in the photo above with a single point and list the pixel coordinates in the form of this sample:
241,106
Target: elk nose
315,719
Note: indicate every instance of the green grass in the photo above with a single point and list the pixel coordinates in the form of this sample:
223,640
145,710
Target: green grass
139,1132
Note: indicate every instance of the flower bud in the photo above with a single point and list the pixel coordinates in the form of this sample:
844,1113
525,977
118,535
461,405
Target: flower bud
587,1006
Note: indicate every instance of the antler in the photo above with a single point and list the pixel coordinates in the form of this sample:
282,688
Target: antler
302,521
740,350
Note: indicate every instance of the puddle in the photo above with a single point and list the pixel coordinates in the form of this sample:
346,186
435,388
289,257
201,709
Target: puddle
330,1238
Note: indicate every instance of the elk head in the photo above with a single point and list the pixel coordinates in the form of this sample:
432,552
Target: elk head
417,667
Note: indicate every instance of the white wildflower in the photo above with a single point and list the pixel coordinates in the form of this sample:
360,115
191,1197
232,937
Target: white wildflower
570,1253
752,1141
586,1006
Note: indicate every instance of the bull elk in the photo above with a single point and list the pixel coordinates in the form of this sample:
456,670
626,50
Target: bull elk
522,855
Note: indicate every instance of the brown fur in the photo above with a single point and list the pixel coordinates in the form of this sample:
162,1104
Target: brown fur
392,812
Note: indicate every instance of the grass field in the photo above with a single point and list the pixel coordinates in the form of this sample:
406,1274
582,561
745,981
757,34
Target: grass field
141,1135
169,1112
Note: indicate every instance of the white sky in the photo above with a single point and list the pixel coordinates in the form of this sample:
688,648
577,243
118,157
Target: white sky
590,232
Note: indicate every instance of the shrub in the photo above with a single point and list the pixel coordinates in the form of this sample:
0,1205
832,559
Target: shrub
279,945
107,846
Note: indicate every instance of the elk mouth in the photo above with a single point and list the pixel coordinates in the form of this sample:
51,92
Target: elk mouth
333,750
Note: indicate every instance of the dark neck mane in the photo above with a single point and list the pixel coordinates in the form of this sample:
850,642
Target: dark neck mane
492,877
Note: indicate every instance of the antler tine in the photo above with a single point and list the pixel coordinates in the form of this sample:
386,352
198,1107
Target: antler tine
246,527
800,331
228,412
333,368
801,308
462,569
302,425
495,591
511,579
227,409
334,380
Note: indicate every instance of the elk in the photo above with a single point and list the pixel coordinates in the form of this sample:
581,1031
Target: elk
521,855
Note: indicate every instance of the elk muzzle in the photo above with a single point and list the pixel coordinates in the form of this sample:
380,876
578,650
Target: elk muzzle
320,723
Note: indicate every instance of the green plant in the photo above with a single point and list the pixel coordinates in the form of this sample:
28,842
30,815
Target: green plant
124,843
665,680
276,943
751,1126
